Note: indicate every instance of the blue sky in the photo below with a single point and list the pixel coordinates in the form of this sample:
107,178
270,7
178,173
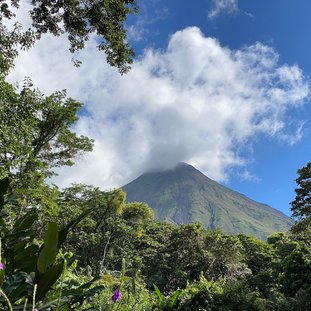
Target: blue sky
223,85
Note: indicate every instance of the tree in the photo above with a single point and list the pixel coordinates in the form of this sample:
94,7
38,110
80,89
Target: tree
137,213
106,236
9,41
227,261
186,256
296,271
35,135
301,206
78,19
257,254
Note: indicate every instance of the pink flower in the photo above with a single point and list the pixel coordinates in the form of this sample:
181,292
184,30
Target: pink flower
1,266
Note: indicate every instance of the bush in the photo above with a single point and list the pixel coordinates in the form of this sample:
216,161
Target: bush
220,296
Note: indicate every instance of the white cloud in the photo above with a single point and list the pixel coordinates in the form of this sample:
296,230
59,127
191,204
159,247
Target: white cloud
140,30
248,176
223,6
196,101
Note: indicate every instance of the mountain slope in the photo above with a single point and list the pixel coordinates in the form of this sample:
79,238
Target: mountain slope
185,195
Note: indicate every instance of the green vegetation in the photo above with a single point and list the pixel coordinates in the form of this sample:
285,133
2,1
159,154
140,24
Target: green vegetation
184,195
100,253
78,19
82,248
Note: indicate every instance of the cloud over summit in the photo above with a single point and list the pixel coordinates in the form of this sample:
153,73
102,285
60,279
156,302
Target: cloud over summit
196,102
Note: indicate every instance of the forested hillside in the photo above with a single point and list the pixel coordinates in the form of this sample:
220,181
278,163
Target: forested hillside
82,248
184,195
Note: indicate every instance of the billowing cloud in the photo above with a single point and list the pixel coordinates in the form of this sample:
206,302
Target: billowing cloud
223,6
195,101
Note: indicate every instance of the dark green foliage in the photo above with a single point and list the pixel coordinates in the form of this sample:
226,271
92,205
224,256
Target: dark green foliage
296,274
282,244
301,231
220,296
227,251
104,237
27,265
301,206
23,258
186,256
151,248
92,237
79,20
258,255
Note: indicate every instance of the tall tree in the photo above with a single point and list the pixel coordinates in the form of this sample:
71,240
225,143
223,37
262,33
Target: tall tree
301,206
36,135
78,19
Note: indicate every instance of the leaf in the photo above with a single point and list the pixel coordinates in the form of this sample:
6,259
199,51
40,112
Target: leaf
46,280
26,259
16,285
13,237
90,292
63,233
81,290
12,199
49,250
174,298
25,222
63,307
159,294
29,251
19,292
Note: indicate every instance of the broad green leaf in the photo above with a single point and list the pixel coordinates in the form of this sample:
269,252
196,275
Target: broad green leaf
16,285
14,238
25,222
26,259
45,281
49,250
19,292
20,246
